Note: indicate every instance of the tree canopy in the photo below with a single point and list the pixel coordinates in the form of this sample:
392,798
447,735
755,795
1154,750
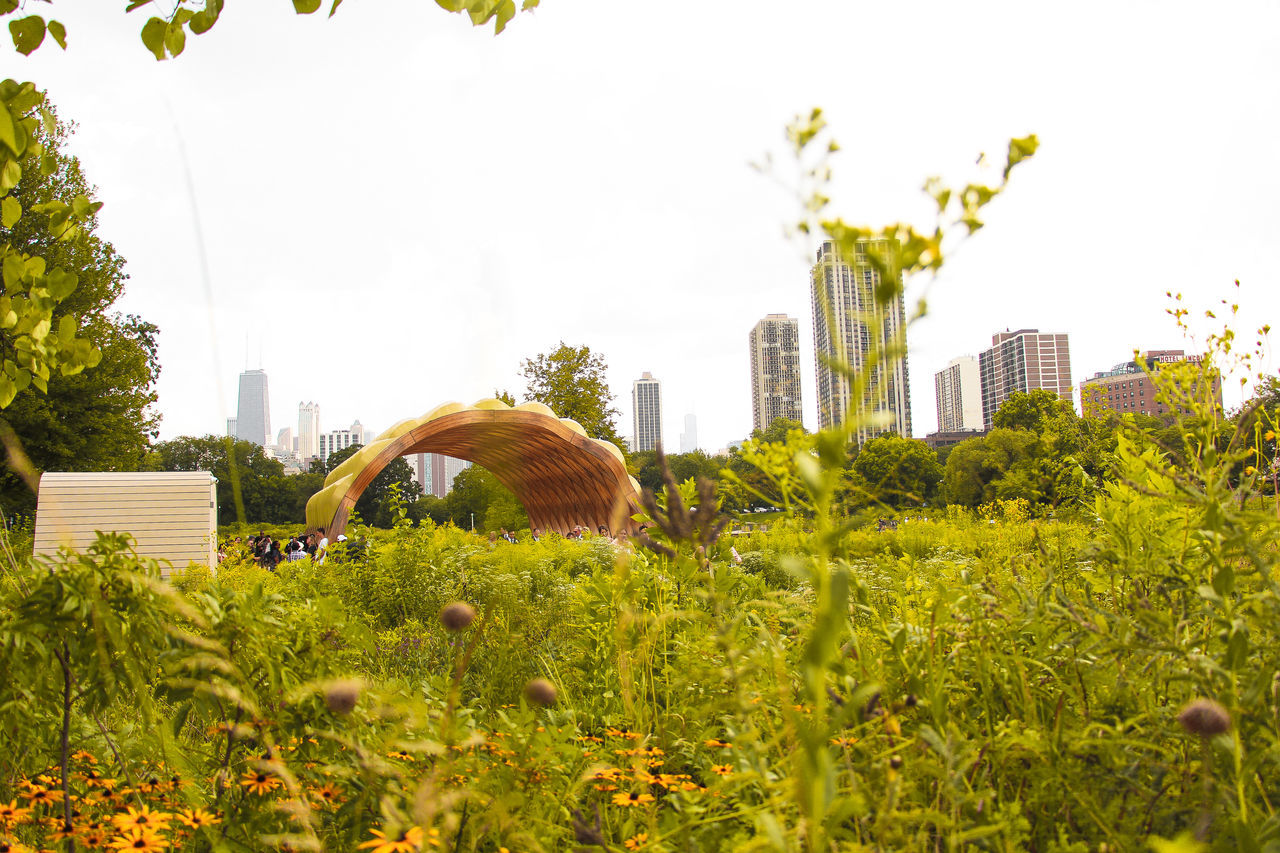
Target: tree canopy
572,382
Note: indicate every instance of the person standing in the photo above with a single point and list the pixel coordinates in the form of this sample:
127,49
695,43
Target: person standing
322,548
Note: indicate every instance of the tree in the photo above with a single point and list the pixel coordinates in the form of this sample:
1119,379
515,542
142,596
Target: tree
476,492
374,504
975,465
1031,410
778,431
99,419
265,493
896,471
572,382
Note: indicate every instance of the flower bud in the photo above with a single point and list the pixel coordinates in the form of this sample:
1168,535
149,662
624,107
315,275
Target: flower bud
1204,717
539,691
456,616
341,696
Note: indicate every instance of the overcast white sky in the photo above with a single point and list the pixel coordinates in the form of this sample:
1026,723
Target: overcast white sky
397,208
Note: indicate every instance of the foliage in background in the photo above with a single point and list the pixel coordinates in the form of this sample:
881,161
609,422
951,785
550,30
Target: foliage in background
573,383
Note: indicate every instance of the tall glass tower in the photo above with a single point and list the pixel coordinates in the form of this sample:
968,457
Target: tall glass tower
253,412
646,412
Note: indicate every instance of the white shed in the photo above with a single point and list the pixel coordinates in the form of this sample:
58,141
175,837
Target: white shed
172,515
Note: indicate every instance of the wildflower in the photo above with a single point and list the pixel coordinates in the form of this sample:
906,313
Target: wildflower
94,838
328,793
539,691
844,741
1249,470
82,755
715,743
196,818
143,818
1204,717
407,841
632,799
636,841
259,782
1270,435
11,814
139,839
42,796
7,846
457,616
721,769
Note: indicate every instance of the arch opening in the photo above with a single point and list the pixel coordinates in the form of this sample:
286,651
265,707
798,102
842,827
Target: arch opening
561,477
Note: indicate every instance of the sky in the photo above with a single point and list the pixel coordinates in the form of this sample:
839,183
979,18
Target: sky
389,209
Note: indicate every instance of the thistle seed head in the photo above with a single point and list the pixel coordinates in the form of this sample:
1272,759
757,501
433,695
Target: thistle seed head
1204,717
341,696
456,616
539,691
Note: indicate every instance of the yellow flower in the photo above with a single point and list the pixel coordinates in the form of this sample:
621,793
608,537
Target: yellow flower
143,818
39,795
7,846
408,841
1249,471
715,743
1270,435
259,782
632,799
196,818
11,814
141,840
636,841
721,769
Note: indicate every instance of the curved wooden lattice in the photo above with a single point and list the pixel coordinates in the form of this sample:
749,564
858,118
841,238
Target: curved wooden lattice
560,476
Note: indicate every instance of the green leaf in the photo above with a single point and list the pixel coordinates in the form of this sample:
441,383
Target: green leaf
1019,150
305,7
506,11
27,33
175,38
528,4
7,389
136,4
14,270
59,33
8,132
61,284
10,212
334,7
153,32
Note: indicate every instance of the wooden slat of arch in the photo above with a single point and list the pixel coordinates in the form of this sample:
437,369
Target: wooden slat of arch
561,478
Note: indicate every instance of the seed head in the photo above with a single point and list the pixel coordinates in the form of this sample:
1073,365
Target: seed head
341,697
457,616
539,691
1204,717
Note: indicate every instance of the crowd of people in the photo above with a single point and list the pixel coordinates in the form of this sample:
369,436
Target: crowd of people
269,552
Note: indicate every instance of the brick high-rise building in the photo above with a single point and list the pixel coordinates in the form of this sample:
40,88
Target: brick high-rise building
849,328
775,370
1025,360
646,412
1126,389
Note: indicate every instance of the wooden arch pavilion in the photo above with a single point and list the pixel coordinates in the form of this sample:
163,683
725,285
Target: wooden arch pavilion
562,477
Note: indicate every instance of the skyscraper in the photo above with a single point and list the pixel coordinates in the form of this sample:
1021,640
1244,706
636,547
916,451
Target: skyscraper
958,389
253,411
689,438
308,429
850,328
341,439
1026,361
646,412
775,370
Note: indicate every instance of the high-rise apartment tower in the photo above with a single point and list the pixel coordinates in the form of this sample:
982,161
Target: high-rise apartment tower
689,438
646,409
958,390
775,370
1026,360
253,410
308,429
850,328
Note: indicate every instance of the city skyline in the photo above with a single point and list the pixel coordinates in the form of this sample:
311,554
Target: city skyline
776,390
717,258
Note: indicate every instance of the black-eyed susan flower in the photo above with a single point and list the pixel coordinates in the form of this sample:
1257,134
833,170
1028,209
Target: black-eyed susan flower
196,818
722,769
406,841
11,814
143,818
636,841
632,799
716,743
259,782
139,840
